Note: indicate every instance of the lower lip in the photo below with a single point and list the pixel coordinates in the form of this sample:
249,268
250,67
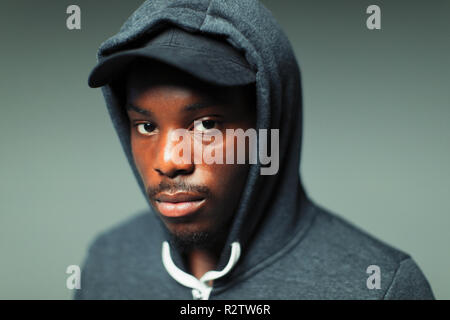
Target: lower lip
179,209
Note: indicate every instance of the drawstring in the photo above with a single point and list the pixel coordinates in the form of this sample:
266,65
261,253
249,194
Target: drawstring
200,289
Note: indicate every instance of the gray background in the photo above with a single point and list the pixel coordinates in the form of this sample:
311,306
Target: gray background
375,147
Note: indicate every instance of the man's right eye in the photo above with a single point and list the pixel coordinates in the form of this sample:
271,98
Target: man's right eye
145,128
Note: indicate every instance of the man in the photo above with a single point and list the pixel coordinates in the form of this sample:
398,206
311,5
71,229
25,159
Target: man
222,230
195,201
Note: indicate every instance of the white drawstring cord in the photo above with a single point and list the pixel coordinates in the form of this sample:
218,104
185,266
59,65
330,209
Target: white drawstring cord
200,289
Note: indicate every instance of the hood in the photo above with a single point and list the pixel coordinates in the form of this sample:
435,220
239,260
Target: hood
273,209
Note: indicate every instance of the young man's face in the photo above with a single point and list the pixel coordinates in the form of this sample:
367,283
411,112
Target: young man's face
196,201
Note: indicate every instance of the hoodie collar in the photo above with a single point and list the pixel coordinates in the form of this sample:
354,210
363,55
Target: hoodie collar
200,287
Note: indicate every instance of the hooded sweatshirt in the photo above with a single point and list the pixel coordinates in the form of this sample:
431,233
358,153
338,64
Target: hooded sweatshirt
281,245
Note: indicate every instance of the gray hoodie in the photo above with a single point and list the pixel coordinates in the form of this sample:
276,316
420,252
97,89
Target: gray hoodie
284,245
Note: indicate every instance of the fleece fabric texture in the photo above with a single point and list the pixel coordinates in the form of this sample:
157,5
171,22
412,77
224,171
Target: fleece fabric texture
291,247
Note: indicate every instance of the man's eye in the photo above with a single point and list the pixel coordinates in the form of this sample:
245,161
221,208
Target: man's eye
205,125
145,128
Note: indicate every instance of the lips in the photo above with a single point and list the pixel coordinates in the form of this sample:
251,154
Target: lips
178,204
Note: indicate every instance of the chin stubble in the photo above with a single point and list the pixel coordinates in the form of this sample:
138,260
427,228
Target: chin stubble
210,240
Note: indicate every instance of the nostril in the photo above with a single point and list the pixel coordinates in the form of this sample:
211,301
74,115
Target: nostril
174,172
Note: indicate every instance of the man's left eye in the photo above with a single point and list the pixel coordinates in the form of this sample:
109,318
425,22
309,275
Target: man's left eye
204,125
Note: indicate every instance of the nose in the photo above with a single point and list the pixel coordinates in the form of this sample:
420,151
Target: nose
174,157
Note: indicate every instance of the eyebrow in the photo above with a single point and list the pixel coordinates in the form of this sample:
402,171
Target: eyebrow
138,110
190,107
198,106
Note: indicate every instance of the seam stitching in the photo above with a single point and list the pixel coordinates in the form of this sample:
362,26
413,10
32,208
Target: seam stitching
393,277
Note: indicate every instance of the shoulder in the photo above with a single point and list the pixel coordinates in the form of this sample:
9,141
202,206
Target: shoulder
114,254
349,240
348,261
130,232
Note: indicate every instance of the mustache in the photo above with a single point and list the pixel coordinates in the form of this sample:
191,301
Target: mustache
171,187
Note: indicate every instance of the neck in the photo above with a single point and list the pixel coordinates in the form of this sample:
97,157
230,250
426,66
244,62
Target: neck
202,259
200,262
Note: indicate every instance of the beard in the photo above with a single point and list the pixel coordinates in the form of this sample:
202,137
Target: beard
188,241
205,240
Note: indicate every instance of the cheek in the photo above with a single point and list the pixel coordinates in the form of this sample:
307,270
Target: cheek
224,180
141,156
230,181
227,173
237,150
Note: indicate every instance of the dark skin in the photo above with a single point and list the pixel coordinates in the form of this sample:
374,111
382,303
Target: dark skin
158,105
